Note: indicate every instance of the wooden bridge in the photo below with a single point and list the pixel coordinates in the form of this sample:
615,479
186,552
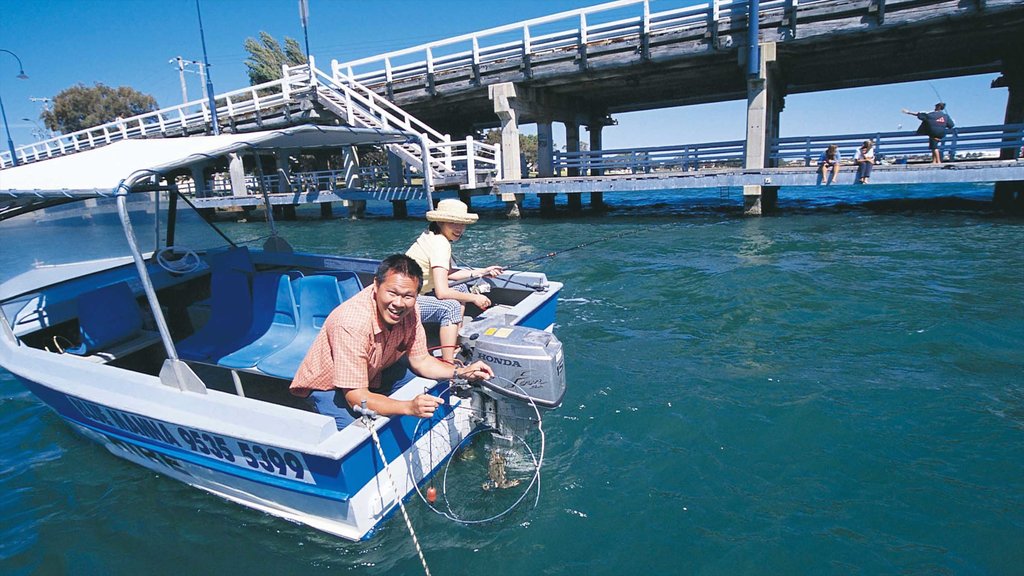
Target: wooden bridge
580,67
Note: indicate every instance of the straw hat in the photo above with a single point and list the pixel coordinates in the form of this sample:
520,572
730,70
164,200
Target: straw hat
452,210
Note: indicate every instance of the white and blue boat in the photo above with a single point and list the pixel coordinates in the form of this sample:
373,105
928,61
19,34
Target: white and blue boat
150,332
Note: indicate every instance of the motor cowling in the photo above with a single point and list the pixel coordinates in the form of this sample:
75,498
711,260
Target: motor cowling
528,363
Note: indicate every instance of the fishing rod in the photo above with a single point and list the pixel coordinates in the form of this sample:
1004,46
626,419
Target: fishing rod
590,243
553,254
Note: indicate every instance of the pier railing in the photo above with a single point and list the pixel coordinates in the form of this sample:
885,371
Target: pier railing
960,143
567,32
683,157
247,104
464,162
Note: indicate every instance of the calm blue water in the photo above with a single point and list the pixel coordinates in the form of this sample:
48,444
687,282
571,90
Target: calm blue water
838,389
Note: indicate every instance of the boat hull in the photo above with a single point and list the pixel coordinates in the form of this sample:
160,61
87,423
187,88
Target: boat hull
347,496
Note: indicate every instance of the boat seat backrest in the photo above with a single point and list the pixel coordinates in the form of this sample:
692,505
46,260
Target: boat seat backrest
236,259
274,324
316,297
348,283
106,317
231,308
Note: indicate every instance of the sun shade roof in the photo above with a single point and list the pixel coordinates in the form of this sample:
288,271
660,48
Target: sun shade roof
98,172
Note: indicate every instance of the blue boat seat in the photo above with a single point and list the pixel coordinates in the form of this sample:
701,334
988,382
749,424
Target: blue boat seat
348,282
274,321
230,308
110,324
316,297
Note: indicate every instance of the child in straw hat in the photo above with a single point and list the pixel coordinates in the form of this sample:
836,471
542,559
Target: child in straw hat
438,301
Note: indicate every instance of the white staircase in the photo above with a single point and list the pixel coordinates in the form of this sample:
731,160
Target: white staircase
464,163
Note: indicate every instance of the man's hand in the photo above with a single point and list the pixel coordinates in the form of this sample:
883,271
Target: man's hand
476,371
423,405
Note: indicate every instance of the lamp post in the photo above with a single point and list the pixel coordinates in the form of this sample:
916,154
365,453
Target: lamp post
209,82
21,76
40,133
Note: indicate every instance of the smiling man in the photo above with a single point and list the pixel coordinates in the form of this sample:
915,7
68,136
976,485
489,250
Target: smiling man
363,339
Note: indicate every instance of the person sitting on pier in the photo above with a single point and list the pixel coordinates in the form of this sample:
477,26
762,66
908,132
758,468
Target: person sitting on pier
865,160
361,353
829,162
439,301
934,124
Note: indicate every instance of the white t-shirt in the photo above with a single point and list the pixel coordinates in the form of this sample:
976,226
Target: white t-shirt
431,251
861,155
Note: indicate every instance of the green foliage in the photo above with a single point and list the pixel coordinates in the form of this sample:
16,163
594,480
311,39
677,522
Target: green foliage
266,57
80,106
527,144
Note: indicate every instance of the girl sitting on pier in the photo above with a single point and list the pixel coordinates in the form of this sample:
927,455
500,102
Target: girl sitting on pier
438,301
865,160
829,162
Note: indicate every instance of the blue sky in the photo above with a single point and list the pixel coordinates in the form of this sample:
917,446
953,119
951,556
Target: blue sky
129,42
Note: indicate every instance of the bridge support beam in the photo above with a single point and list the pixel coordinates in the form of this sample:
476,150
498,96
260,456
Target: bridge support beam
762,122
396,177
1010,195
596,143
572,144
547,205
284,170
503,96
350,161
545,150
236,172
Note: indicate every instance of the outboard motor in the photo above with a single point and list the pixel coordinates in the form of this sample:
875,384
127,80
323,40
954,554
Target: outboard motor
527,363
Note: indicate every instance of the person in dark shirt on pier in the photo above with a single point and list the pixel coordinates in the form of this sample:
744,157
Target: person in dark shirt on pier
829,162
934,125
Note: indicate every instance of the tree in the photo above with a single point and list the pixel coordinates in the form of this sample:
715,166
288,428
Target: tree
80,106
266,57
527,144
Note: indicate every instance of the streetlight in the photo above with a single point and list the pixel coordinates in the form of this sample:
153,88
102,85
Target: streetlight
40,133
209,81
21,76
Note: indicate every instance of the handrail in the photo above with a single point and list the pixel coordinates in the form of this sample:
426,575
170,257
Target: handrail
165,121
888,145
439,55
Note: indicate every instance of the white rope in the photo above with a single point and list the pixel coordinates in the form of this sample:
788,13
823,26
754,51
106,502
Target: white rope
401,505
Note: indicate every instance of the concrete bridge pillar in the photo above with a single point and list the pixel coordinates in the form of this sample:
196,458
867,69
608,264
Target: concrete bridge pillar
350,163
762,120
199,180
396,177
503,95
1010,195
545,150
236,172
572,144
596,129
284,170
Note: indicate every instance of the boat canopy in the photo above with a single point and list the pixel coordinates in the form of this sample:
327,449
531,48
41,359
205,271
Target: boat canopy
99,172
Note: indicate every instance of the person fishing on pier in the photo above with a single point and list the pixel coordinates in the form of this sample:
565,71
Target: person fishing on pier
934,124
439,301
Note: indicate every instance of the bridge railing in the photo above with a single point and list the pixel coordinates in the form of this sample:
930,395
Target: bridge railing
959,143
569,32
176,120
683,157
